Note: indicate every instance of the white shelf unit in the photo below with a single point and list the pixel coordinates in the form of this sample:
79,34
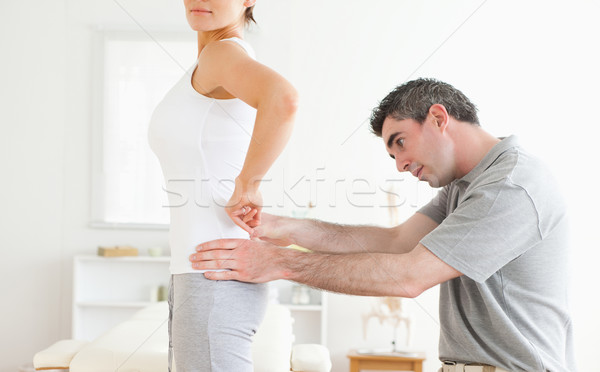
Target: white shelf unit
310,320
108,290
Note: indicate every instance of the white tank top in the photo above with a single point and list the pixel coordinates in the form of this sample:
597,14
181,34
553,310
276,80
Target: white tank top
201,144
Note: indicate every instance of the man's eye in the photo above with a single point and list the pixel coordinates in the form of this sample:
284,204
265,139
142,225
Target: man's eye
400,142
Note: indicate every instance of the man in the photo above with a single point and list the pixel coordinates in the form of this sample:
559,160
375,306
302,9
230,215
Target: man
494,238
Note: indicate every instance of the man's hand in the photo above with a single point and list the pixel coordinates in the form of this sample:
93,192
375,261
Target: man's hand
275,229
247,260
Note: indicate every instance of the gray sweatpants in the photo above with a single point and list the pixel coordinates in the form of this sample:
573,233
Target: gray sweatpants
211,323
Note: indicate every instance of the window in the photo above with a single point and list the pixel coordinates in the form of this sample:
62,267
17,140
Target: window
134,73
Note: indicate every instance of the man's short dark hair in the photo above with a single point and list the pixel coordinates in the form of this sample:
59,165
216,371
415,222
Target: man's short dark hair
413,99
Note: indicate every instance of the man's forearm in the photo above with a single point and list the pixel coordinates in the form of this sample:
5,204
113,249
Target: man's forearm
327,237
364,274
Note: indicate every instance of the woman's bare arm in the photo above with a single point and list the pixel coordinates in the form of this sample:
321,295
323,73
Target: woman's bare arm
226,65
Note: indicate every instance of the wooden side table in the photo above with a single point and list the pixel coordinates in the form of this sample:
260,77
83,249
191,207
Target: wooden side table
384,362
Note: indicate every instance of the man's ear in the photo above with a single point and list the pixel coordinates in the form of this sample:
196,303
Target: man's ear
440,116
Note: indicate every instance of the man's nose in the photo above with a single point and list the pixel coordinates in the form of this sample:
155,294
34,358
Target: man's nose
402,164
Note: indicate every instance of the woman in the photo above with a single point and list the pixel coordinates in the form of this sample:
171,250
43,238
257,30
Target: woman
216,133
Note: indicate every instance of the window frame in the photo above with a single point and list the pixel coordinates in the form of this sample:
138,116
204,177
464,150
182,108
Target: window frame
99,194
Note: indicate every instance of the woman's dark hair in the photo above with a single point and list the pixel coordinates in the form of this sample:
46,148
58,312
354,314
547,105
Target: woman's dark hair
413,99
248,17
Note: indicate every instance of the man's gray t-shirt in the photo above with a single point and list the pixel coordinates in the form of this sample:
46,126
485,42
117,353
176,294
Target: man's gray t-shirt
504,226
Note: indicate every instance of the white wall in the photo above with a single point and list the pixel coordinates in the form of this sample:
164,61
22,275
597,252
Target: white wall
32,114
530,67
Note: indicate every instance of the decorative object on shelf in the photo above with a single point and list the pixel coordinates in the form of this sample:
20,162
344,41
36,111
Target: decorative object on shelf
117,251
389,310
300,295
163,293
159,293
154,294
155,251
